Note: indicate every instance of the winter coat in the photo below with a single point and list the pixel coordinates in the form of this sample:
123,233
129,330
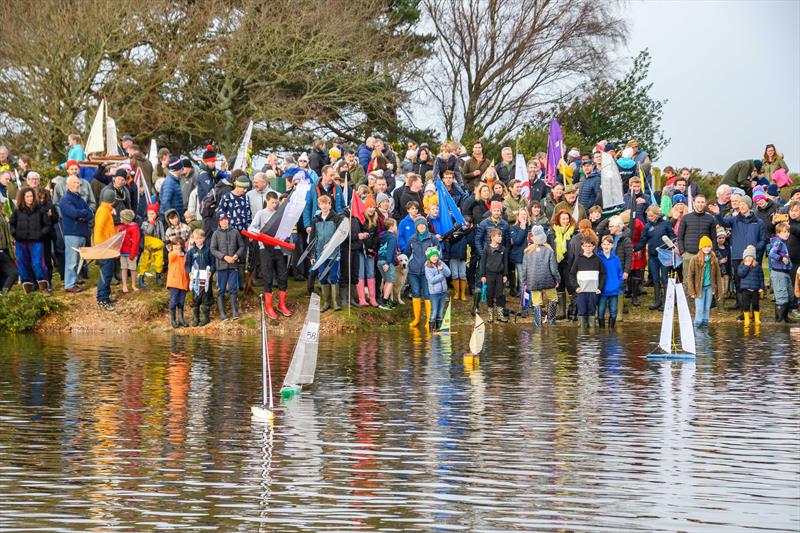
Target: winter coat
322,229
171,196
422,167
519,241
415,251
765,214
769,168
30,224
624,250
548,205
364,155
440,166
405,230
227,242
482,233
505,172
537,190
177,276
639,260
738,175
200,258
744,232
470,166
589,191
613,269
540,269
132,239
566,206
513,206
627,169
693,226
206,181
630,203
494,260
387,252
750,278
479,211
370,244
437,279
652,236
777,252
236,209
104,227
317,159
455,247
693,274
312,197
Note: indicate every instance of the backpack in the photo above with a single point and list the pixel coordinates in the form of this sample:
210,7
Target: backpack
209,204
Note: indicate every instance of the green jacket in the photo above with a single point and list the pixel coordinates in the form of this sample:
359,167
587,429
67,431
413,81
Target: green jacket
769,168
739,175
512,206
6,240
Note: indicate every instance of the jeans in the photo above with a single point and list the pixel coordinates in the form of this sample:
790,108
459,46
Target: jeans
782,285
437,306
177,298
611,303
458,268
657,270
228,279
104,283
366,266
702,306
72,258
587,303
30,261
419,285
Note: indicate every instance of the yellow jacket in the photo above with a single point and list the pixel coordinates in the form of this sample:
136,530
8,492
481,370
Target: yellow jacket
103,223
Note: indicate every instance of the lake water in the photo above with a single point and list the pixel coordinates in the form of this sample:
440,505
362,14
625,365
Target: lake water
557,432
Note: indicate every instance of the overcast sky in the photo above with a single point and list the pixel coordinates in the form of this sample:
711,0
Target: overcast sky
731,72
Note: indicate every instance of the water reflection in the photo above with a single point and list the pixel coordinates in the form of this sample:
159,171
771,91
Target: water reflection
555,430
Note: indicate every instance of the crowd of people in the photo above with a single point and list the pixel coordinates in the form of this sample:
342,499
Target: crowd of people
549,242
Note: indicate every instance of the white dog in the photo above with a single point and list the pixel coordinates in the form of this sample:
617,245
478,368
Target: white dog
401,274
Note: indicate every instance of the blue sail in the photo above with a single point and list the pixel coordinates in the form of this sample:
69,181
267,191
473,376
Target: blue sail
448,210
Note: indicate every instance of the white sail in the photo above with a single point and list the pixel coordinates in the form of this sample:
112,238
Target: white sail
478,334
94,142
294,210
241,155
111,137
665,343
304,359
521,168
685,321
153,155
342,232
610,182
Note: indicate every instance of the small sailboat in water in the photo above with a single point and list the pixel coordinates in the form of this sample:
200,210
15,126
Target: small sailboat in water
667,345
264,412
304,359
475,342
445,326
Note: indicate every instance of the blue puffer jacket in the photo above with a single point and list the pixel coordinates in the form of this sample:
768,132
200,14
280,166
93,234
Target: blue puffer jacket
744,232
652,236
589,190
519,241
205,181
171,196
613,267
482,233
415,251
75,215
750,278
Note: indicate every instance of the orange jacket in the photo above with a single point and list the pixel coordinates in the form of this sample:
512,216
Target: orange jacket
177,277
104,227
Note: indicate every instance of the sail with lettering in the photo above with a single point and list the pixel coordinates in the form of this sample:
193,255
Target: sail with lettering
304,358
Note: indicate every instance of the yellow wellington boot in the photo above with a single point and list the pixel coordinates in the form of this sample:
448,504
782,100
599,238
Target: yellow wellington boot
463,290
757,318
416,305
747,319
427,310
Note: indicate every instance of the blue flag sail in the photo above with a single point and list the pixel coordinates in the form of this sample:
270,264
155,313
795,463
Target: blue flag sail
448,210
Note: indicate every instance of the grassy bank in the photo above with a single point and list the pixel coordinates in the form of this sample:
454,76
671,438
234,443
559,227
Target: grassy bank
147,311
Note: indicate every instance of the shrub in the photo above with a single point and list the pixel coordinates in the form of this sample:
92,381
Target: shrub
20,312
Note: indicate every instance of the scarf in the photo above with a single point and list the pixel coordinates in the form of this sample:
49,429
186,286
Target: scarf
563,236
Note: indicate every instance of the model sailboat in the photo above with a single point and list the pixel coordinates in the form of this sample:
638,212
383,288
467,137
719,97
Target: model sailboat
445,327
264,412
304,359
475,343
666,344
102,141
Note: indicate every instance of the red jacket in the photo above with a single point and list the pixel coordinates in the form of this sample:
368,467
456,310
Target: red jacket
639,258
130,244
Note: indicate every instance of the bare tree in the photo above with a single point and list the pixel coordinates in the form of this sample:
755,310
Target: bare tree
498,61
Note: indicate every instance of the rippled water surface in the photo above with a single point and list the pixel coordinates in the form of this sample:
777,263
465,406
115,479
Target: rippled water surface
556,432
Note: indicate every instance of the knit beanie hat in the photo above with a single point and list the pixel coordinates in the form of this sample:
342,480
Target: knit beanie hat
209,155
758,192
678,199
704,241
122,173
108,196
382,196
243,182
430,187
175,164
757,164
628,153
430,252
421,222
127,215
772,190
539,236
72,163
747,200
722,233
303,157
749,251
369,201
